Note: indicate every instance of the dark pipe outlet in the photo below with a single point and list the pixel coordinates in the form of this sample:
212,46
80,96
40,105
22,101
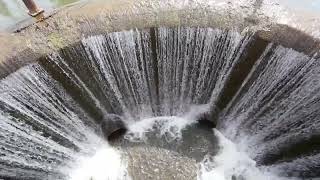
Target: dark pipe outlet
112,127
208,119
205,123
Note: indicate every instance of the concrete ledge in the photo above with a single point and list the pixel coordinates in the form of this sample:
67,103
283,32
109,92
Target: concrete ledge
71,23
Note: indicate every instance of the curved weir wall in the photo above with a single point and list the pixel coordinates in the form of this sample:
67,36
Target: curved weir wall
260,89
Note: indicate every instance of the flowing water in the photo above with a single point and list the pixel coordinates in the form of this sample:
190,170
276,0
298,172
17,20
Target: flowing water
51,110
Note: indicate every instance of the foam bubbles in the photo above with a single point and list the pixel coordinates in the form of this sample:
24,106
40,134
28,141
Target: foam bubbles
169,126
106,164
231,163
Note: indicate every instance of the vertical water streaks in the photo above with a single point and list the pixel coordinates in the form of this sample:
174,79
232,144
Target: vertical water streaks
164,71
41,128
276,114
119,61
254,49
193,65
49,111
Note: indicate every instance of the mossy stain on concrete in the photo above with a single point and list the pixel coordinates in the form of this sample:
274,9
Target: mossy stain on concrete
56,40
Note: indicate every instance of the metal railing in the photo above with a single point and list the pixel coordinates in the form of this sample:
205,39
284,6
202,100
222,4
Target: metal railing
34,10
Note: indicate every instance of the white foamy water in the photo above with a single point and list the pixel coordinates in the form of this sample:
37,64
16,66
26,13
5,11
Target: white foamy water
170,126
231,163
105,164
49,111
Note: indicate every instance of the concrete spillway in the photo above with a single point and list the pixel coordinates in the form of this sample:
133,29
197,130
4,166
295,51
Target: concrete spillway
161,69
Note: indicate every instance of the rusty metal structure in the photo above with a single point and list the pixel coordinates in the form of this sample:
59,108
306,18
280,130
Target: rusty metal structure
34,10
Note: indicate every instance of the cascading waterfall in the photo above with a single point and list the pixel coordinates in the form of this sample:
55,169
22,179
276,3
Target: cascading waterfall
41,126
51,109
162,72
276,112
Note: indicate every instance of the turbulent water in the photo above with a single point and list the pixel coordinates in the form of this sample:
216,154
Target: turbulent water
51,110
275,115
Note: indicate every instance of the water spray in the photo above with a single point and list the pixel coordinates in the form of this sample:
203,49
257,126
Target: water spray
160,90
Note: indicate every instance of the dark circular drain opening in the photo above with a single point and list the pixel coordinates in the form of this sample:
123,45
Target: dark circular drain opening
113,127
